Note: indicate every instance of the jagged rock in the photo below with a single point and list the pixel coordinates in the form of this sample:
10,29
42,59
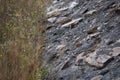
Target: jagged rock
109,41
103,58
91,30
54,13
80,56
63,9
63,20
91,12
49,26
52,54
118,41
116,51
72,5
95,35
97,60
64,64
92,60
60,47
116,10
55,6
52,19
75,21
77,44
99,77
55,1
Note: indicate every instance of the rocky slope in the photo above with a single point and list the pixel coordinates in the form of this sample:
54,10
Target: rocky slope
83,40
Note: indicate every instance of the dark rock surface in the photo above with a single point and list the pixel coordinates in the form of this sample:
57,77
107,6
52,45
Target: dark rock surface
83,40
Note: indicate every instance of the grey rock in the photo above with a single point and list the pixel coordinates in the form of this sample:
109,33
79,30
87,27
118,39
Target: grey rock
63,20
72,5
97,60
52,19
75,21
54,13
91,30
91,12
60,47
95,35
116,51
84,41
80,56
99,77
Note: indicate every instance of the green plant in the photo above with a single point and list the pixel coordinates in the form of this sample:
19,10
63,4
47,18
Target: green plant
43,72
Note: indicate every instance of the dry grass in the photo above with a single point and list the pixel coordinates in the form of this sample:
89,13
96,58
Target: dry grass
21,40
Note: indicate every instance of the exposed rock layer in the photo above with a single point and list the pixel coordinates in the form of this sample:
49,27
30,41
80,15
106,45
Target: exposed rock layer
83,40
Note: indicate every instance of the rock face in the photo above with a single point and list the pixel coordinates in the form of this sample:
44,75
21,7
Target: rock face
83,40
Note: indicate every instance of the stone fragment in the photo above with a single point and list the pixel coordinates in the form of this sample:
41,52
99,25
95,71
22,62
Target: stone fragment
52,20
55,1
63,9
91,59
60,47
99,1
103,58
49,26
95,35
73,5
97,60
50,8
91,12
116,51
75,21
91,30
109,41
55,6
116,10
80,56
77,44
55,12
99,77
63,20
64,64
118,41
51,54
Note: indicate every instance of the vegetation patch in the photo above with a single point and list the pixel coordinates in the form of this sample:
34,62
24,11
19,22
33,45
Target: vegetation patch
21,40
